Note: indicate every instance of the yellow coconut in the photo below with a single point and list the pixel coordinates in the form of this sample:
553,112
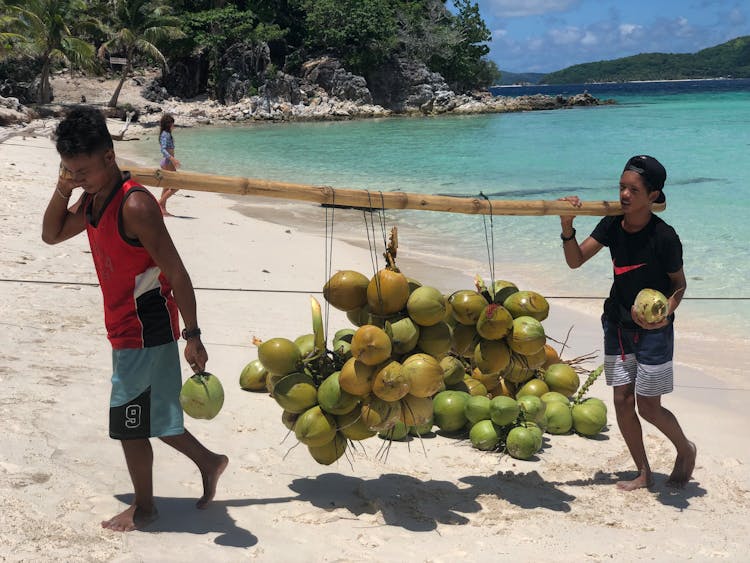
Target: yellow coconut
279,355
387,292
494,322
518,370
424,374
346,290
467,305
527,336
550,356
465,338
390,383
489,380
453,370
371,345
356,377
416,410
435,340
470,386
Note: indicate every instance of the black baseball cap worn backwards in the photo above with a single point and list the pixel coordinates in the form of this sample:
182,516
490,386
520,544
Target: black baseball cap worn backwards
652,172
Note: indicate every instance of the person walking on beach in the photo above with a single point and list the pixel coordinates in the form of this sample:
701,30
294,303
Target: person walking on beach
646,253
168,160
144,284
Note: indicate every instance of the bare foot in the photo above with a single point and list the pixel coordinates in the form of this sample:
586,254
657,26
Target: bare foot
210,478
643,481
683,468
132,518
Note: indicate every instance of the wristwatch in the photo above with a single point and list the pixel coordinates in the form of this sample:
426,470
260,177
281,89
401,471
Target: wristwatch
192,333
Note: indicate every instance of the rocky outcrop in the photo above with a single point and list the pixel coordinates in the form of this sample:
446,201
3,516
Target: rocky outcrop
408,86
243,66
331,76
12,112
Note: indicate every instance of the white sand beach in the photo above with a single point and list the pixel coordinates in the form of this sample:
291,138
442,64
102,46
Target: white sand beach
437,500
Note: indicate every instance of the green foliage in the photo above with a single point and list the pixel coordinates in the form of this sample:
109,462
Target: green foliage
362,33
728,59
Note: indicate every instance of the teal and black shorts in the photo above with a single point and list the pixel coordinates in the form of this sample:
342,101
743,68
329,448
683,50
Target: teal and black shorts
145,399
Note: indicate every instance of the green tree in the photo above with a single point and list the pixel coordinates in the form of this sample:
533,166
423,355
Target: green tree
47,30
137,27
361,32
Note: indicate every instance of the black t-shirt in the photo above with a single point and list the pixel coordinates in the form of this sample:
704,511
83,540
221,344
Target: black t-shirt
640,260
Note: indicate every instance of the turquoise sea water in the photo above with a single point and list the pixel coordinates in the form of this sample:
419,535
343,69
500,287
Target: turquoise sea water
702,136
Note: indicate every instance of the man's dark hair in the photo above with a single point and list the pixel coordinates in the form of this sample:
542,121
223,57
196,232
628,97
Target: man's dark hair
83,131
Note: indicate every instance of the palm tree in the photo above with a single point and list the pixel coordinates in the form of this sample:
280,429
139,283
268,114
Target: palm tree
45,26
138,26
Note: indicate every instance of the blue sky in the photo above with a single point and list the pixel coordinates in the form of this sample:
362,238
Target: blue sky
547,35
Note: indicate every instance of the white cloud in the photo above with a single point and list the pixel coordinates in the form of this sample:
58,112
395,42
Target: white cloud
565,36
520,8
628,29
589,39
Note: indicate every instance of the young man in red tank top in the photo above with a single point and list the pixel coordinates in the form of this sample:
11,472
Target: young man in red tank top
144,283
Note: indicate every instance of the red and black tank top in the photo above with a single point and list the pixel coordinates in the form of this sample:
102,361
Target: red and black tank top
139,308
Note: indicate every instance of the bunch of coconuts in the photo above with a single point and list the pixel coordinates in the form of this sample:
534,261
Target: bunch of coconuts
415,355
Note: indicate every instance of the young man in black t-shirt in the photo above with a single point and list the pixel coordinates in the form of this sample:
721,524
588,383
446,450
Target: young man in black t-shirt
646,253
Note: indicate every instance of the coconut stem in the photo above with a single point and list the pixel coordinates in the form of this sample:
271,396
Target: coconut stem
593,375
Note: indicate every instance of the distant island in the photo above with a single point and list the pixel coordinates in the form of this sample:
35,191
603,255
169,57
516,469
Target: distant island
728,60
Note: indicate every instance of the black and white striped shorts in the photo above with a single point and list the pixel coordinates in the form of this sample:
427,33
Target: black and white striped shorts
643,357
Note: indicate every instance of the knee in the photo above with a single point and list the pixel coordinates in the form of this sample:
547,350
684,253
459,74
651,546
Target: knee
624,401
648,409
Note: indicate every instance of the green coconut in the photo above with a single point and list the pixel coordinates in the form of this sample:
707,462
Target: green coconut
421,429
333,399
562,378
404,334
435,340
353,425
453,370
467,305
253,376
426,306
279,355
521,443
495,322
652,305
537,360
448,410
527,303
305,344
533,386
484,436
202,396
555,396
537,431
504,410
533,408
589,418
329,452
314,427
345,334
397,432
595,401
346,290
527,336
477,408
342,349
491,356
559,418
295,392
413,284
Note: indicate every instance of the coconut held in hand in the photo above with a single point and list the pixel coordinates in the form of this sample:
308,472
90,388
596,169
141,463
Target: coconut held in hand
202,396
652,305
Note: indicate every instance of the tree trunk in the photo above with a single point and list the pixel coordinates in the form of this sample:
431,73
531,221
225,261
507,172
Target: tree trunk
113,100
43,94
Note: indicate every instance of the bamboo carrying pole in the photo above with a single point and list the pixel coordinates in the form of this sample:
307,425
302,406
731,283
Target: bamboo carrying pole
368,199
